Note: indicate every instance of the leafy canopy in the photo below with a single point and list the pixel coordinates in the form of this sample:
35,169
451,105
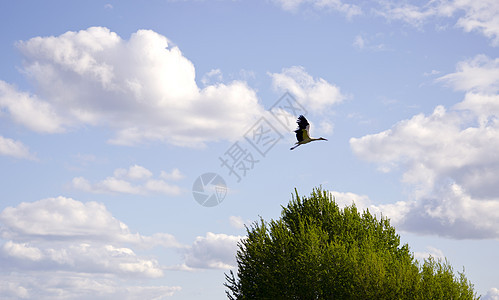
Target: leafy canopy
318,251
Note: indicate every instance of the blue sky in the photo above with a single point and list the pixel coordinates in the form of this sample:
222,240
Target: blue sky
111,110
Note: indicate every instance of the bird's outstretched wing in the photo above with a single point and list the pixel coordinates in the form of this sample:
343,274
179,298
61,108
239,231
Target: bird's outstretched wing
303,127
302,122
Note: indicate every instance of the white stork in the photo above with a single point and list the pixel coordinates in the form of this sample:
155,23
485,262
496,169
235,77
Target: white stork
302,133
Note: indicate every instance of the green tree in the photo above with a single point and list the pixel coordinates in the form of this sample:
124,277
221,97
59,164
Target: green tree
318,251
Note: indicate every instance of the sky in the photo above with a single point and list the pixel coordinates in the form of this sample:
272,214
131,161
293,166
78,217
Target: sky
138,138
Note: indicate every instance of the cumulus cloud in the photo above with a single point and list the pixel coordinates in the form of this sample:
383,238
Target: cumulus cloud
135,180
214,75
81,242
451,169
315,94
448,157
62,219
480,16
430,251
175,174
133,172
492,294
213,251
17,149
82,257
142,88
395,211
362,202
28,110
22,251
68,285
65,235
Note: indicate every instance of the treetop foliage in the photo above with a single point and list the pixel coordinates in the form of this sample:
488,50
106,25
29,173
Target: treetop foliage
316,250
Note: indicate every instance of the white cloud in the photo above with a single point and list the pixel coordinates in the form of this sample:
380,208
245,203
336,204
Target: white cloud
22,251
362,42
11,290
470,15
430,251
451,170
135,180
314,94
69,285
133,172
160,186
481,16
10,147
214,75
82,184
61,217
112,184
214,251
28,110
81,79
483,106
408,12
64,218
492,294
236,222
175,174
362,202
479,74
448,158
81,257
395,212
349,10
60,247
359,42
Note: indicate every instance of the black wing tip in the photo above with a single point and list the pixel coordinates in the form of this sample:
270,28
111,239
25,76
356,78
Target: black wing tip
302,122
301,118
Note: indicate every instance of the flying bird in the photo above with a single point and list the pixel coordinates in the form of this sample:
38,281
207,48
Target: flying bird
302,133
